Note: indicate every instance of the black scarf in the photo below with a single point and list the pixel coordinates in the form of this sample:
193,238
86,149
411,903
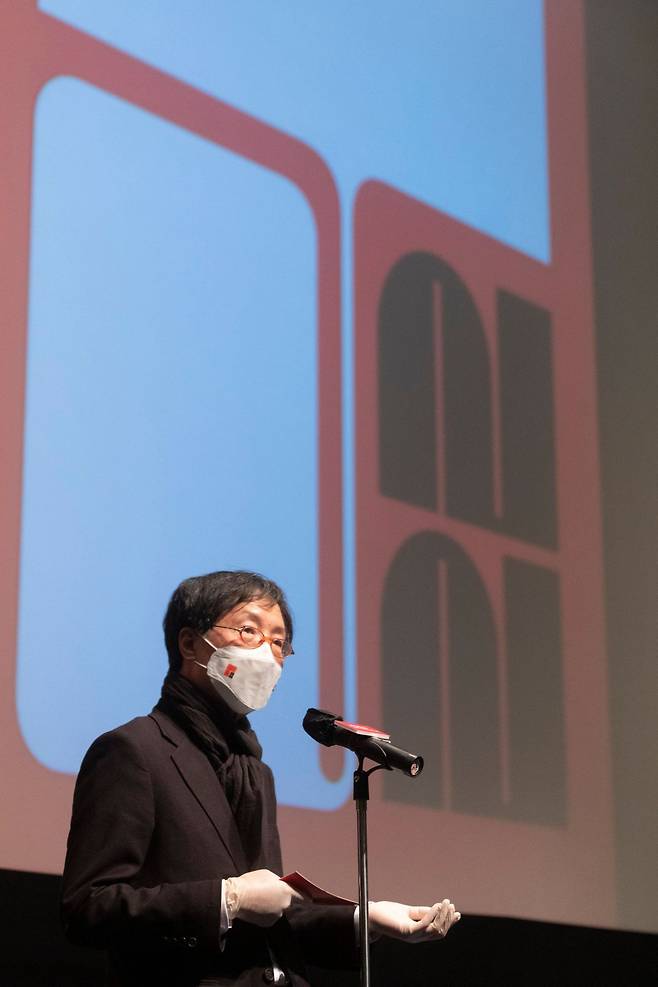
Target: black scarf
233,750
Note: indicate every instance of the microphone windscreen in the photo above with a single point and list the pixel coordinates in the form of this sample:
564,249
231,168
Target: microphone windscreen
319,724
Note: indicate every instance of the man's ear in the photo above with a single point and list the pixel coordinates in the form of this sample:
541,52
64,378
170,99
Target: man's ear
187,642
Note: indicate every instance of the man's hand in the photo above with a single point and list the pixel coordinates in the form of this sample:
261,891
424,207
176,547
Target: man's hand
259,897
412,923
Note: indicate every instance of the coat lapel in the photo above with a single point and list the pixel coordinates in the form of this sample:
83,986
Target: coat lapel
197,773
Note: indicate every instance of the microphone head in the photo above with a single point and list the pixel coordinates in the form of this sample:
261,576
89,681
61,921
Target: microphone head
319,724
416,767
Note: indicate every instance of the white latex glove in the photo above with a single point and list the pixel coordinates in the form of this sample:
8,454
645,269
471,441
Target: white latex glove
411,923
259,897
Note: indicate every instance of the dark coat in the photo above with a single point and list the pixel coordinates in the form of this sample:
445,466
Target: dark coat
152,835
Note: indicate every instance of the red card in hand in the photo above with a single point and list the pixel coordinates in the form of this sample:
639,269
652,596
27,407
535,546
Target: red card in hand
312,892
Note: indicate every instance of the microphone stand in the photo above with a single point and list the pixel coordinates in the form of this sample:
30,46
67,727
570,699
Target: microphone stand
328,729
361,796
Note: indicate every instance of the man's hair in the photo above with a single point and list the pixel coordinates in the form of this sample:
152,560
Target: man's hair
201,601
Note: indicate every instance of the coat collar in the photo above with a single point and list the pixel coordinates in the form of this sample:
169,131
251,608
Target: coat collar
196,771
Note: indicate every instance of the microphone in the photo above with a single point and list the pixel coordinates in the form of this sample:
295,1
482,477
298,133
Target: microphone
329,729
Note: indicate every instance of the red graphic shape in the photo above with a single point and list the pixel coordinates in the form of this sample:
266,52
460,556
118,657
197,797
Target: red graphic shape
497,863
37,48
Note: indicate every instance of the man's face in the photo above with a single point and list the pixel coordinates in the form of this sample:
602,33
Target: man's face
260,614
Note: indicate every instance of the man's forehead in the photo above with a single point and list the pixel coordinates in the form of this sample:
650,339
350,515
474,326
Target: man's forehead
258,609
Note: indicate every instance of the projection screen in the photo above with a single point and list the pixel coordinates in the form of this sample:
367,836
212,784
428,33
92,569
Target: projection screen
308,289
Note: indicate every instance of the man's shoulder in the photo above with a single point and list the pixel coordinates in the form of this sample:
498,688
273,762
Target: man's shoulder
139,736
139,728
151,731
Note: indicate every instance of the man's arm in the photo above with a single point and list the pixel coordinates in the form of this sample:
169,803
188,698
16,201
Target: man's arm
111,828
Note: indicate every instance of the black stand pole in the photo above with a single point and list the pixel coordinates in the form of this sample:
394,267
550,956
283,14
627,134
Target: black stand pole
361,796
329,729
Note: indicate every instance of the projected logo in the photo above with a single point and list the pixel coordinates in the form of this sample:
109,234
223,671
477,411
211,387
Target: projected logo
96,506
478,583
460,619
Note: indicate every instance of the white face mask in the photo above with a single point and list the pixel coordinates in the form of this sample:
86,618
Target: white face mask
244,679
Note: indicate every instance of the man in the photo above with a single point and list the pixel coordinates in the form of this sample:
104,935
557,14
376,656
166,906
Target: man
173,857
